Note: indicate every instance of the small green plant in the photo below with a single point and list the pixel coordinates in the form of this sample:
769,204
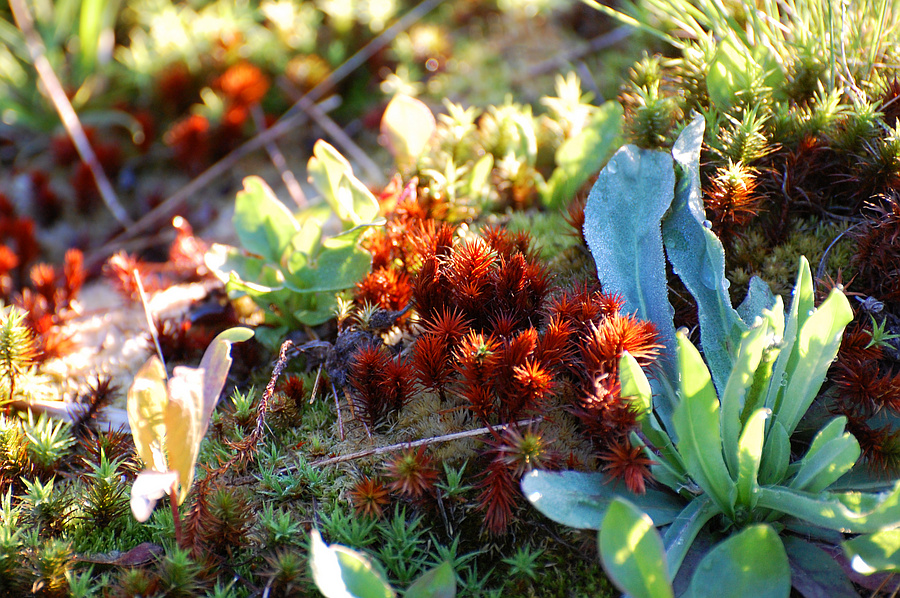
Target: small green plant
340,572
286,265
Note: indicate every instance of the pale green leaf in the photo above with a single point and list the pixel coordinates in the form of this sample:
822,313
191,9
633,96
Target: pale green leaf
776,455
752,562
340,572
749,454
331,174
696,421
875,552
631,551
826,460
634,385
817,346
437,582
582,155
749,354
407,125
263,224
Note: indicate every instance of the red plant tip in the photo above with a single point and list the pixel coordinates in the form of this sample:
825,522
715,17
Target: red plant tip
387,288
607,342
243,84
189,139
628,463
369,497
524,450
293,388
412,473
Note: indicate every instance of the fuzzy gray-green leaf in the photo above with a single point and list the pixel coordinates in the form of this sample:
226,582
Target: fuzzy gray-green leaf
622,229
580,499
698,258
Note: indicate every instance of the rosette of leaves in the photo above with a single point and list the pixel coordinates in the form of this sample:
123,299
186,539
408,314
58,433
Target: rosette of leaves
723,469
286,264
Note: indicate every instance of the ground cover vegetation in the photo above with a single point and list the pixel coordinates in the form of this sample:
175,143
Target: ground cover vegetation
486,343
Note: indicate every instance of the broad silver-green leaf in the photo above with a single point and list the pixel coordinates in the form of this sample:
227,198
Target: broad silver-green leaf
622,230
750,563
406,126
580,499
749,455
849,512
263,224
340,572
437,582
696,420
698,258
631,551
875,552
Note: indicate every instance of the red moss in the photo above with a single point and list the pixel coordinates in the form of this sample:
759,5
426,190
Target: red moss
243,84
628,463
369,497
387,288
190,141
411,473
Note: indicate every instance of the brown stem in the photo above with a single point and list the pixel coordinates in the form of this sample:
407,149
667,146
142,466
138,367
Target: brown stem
173,501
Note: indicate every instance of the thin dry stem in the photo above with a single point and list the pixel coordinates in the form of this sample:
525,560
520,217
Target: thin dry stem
65,110
278,160
422,442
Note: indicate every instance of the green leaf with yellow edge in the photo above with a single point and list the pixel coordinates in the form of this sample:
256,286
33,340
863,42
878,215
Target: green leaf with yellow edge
632,553
876,552
752,562
147,400
340,572
263,224
696,421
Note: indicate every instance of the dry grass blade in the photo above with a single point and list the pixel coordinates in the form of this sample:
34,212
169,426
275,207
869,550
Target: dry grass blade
64,109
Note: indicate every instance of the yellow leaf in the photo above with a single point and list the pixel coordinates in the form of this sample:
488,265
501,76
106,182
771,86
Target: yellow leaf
184,424
147,400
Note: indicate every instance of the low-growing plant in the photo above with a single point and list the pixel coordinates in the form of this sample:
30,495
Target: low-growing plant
718,439
286,265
